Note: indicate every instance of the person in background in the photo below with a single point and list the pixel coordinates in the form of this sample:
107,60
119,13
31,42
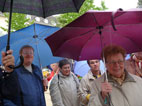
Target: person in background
134,64
55,69
9,86
30,79
86,81
119,88
64,86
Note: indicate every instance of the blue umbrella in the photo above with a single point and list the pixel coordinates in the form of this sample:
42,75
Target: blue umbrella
33,35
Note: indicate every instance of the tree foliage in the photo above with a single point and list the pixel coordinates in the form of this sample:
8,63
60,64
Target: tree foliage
140,3
19,21
66,18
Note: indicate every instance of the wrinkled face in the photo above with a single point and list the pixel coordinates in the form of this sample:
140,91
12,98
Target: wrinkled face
66,69
115,65
28,55
94,65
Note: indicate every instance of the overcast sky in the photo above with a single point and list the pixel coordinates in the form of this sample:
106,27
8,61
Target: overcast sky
115,4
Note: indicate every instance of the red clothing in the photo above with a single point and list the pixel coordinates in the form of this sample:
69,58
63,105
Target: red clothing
51,75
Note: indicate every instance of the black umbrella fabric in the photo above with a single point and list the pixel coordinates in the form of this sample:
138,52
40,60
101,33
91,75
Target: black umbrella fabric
41,8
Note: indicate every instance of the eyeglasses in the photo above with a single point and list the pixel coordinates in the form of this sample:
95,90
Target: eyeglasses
114,62
28,53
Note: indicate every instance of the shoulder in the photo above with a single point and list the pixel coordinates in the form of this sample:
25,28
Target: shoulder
136,78
35,67
55,79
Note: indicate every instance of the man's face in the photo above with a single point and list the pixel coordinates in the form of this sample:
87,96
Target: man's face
66,69
115,65
28,55
94,65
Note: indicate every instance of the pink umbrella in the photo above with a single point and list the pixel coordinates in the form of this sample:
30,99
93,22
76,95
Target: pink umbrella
85,37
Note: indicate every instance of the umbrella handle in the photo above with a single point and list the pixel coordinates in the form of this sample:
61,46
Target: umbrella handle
19,65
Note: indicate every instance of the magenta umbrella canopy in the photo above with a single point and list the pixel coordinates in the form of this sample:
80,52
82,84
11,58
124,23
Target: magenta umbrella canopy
85,37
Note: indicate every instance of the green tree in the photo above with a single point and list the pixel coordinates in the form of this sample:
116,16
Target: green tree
66,18
140,3
19,21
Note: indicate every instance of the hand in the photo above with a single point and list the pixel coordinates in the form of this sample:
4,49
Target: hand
106,88
8,60
45,84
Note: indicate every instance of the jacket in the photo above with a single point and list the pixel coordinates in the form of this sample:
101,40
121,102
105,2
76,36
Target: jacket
9,86
85,87
32,93
129,94
63,90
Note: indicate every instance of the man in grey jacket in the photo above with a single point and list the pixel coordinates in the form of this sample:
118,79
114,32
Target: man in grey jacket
88,79
64,86
119,88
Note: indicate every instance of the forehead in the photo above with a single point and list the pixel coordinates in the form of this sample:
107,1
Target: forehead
92,61
27,49
114,57
66,65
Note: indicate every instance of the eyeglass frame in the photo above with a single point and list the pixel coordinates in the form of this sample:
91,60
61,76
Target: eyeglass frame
120,62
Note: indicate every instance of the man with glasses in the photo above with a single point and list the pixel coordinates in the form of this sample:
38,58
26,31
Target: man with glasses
30,79
118,88
88,79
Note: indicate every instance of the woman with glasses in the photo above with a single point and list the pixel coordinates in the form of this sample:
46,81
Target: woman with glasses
119,88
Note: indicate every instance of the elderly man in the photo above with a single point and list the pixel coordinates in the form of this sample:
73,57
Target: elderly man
134,64
120,88
88,79
30,79
64,86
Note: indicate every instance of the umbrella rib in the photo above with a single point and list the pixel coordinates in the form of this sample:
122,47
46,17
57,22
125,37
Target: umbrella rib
43,8
95,20
85,44
128,39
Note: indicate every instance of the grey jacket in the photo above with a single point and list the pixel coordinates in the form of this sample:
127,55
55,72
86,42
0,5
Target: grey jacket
63,90
129,94
85,87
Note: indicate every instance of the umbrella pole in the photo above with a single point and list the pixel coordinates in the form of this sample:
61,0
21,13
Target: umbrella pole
9,26
35,37
100,32
8,38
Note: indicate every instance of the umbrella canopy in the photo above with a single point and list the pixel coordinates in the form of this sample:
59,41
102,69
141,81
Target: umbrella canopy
85,37
33,35
81,68
41,8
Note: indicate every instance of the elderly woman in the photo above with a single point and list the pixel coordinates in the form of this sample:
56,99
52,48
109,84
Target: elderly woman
122,88
134,64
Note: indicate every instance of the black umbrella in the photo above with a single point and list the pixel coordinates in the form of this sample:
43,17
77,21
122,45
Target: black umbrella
41,8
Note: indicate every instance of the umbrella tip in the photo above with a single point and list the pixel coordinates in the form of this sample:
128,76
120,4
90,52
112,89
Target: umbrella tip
120,9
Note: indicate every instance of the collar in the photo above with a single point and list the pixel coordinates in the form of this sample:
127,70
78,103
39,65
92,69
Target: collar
91,76
127,77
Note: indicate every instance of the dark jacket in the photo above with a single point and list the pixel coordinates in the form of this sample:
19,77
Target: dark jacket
9,86
32,93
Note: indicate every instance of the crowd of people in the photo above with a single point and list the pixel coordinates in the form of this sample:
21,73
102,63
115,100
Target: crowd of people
120,85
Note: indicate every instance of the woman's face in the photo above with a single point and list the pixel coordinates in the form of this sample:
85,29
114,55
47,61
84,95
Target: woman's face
66,69
115,65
